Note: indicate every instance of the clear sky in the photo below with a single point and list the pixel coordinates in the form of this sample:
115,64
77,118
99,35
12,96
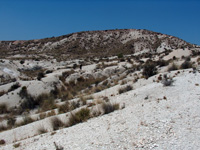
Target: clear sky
35,19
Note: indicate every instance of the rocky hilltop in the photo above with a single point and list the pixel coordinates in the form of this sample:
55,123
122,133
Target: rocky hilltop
95,43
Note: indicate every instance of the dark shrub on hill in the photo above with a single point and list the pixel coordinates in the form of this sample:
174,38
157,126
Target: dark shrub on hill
29,102
14,87
149,69
40,75
186,65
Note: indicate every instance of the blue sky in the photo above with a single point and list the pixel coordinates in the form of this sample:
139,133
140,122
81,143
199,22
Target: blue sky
35,19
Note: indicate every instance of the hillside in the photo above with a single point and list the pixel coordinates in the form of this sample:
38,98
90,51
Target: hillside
114,89
155,122
95,43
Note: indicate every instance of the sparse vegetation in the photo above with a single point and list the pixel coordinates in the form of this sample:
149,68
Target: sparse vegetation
28,100
40,75
185,65
11,121
51,113
80,116
42,115
3,128
149,69
68,90
64,107
120,55
16,145
3,108
167,81
42,130
2,93
58,147
2,142
56,123
74,88
23,93
26,120
14,87
108,107
45,102
22,62
162,63
125,89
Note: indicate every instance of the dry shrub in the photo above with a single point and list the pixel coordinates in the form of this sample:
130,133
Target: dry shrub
99,101
64,108
16,145
42,115
74,105
108,107
75,88
2,93
29,102
42,130
97,89
83,100
105,83
2,142
123,82
186,65
14,87
57,123
11,121
149,69
46,102
162,63
3,108
125,89
65,75
40,75
51,113
80,116
26,120
3,128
